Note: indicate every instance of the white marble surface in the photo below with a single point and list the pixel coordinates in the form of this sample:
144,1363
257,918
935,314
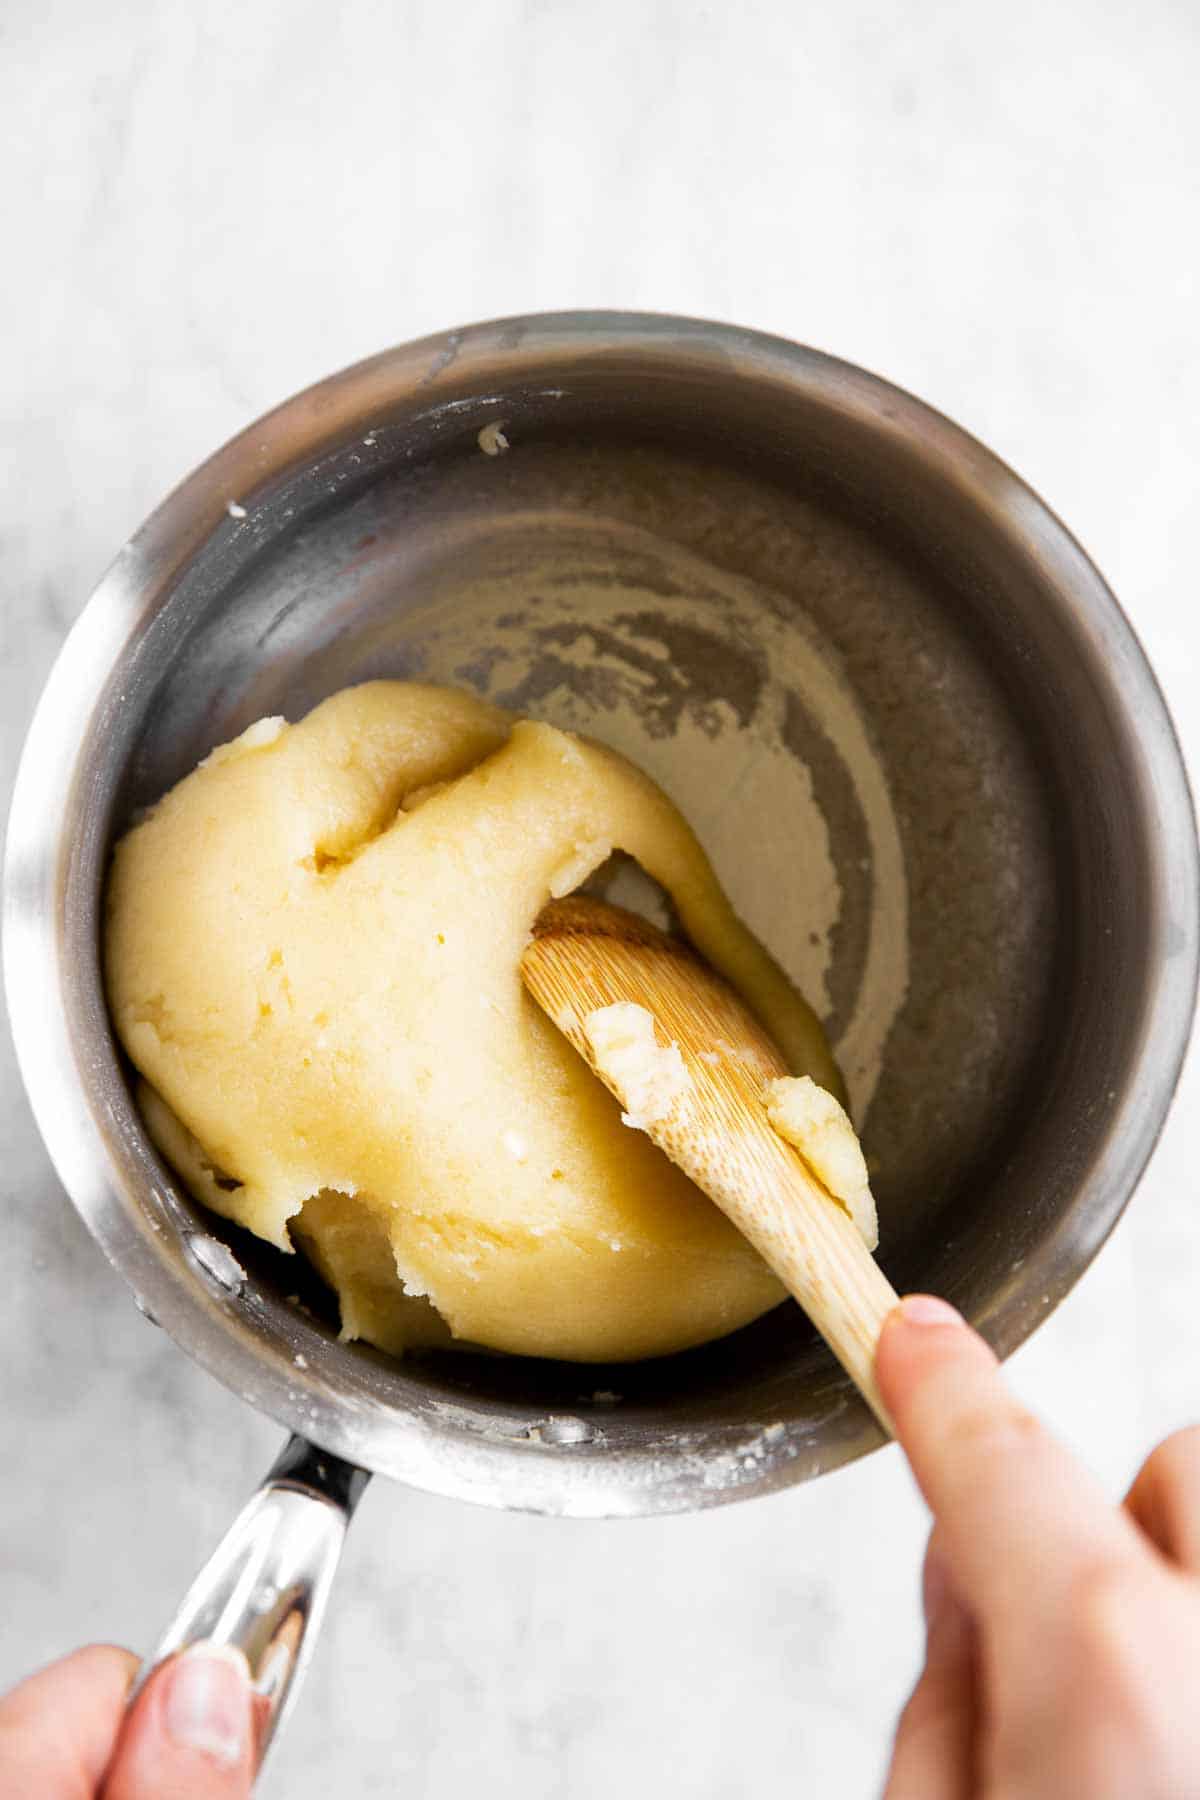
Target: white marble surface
207,207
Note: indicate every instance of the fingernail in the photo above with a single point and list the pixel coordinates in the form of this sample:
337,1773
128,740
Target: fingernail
207,1704
927,1309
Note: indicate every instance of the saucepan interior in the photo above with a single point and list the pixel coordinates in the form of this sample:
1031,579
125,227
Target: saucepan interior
894,698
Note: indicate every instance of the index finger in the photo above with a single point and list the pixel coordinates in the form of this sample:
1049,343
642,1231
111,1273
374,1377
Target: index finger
1022,1523
57,1729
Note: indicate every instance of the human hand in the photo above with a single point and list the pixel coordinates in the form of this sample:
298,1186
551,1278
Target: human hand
1062,1633
65,1733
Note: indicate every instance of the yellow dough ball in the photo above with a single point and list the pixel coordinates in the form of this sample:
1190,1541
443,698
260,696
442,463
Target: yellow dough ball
313,948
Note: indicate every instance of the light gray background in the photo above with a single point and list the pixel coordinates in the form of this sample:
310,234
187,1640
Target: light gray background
206,207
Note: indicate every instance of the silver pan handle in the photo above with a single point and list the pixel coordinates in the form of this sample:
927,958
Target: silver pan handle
265,1586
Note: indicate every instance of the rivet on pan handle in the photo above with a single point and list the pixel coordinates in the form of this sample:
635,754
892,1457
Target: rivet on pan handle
264,1588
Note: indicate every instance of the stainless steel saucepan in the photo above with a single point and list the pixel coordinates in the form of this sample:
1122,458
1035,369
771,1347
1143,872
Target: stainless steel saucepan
900,704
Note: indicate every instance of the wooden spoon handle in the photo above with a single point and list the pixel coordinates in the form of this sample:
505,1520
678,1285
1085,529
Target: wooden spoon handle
820,1256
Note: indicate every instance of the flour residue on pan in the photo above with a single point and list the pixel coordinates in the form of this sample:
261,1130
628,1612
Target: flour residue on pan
734,705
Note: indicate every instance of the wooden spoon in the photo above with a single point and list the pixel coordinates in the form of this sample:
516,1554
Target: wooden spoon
585,955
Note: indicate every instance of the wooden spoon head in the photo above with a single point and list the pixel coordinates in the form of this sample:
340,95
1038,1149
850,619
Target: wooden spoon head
588,954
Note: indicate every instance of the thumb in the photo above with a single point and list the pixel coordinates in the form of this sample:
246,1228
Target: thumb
934,1750
189,1733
